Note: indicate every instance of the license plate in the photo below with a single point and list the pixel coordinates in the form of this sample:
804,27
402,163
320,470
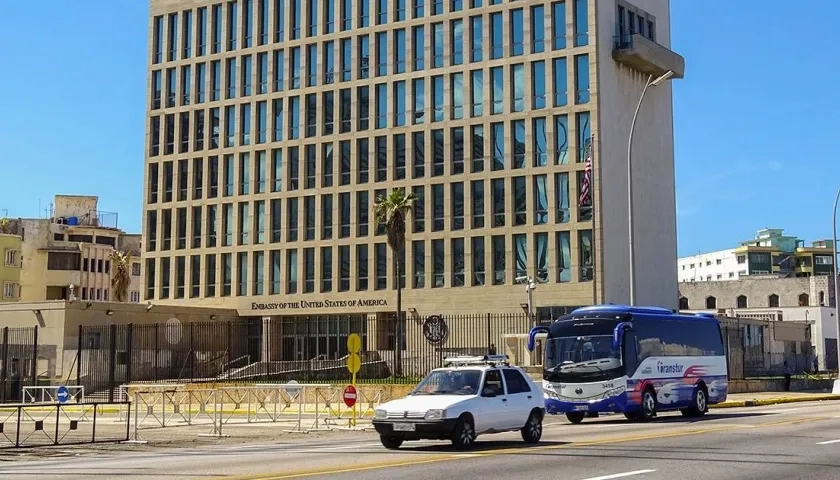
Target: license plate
579,408
404,427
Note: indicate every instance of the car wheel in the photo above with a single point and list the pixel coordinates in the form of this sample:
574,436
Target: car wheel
391,442
632,416
648,412
532,431
575,417
463,437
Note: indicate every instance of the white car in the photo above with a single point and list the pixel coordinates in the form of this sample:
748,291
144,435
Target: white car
468,397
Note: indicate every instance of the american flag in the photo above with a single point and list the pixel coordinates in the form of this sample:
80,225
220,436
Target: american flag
586,184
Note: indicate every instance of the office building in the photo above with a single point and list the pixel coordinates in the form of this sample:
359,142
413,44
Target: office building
272,125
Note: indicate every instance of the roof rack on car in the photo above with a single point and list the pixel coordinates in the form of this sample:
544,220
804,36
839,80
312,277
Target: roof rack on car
476,360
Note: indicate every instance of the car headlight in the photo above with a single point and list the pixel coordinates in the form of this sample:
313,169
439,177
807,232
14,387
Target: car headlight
380,413
435,414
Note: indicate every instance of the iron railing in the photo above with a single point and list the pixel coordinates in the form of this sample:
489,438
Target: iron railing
314,349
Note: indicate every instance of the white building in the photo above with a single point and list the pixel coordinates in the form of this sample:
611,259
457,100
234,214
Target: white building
707,267
771,252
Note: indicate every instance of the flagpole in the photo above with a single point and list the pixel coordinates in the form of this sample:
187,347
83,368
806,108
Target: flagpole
592,201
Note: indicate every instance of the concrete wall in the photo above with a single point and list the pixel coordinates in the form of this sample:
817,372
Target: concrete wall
619,88
58,325
757,291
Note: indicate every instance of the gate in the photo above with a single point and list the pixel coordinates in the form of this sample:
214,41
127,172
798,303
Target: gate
18,362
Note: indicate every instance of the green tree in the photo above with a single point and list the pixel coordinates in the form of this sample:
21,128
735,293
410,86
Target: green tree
121,274
392,211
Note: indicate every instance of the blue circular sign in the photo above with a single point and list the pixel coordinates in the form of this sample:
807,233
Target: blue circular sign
62,394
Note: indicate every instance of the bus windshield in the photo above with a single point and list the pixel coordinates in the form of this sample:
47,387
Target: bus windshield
582,351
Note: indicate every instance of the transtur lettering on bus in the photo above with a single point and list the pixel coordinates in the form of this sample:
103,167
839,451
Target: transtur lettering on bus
672,368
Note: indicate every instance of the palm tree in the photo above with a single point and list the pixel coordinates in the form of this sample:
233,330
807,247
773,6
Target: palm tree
121,276
392,211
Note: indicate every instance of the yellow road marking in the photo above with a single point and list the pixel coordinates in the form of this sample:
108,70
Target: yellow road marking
514,450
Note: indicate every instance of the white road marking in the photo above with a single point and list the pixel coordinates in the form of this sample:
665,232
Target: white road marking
786,410
620,475
828,442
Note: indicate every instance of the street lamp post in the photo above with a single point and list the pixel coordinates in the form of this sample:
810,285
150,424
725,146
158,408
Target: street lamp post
651,82
836,288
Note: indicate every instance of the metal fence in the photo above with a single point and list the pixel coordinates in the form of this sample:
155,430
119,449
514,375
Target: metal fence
314,349
302,349
754,351
27,425
18,361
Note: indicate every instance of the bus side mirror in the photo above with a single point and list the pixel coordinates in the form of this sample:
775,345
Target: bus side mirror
532,336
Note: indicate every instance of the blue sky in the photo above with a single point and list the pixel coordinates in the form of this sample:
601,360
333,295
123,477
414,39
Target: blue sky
754,116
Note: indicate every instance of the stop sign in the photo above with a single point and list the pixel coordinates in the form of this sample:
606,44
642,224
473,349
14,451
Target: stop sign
350,395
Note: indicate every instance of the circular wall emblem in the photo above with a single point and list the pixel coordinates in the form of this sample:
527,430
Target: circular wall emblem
172,331
435,329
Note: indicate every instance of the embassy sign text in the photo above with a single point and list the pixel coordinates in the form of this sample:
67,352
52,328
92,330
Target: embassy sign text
310,304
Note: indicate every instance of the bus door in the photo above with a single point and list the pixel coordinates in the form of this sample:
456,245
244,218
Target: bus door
631,352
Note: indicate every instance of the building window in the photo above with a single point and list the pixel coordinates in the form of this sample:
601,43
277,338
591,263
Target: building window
499,257
12,258
380,253
362,266
683,303
711,302
458,256
10,290
418,253
478,267
804,299
741,301
438,265
773,301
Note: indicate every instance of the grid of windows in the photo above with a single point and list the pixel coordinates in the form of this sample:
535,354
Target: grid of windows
291,116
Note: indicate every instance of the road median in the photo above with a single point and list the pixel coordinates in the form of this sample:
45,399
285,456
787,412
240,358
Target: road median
775,400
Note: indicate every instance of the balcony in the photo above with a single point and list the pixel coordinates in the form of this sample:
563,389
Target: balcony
643,54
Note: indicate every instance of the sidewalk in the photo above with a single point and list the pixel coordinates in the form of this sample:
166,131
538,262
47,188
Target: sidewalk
758,399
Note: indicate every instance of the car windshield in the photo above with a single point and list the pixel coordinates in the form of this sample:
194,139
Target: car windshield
449,382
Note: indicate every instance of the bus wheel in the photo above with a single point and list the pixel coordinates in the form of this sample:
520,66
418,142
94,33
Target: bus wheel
699,403
575,417
648,412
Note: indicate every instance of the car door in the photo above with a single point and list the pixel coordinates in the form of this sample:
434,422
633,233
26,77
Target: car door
519,396
494,403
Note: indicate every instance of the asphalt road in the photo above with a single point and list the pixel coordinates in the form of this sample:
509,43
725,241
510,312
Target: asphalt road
795,441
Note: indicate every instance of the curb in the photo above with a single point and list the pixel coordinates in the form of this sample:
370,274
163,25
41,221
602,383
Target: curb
773,401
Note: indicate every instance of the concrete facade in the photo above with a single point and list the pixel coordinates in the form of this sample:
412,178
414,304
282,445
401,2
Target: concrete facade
218,240
10,266
73,248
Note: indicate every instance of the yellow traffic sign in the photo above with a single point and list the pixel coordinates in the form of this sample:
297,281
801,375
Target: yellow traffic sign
354,364
354,343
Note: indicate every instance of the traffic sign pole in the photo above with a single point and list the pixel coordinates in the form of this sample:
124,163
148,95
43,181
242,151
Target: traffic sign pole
354,364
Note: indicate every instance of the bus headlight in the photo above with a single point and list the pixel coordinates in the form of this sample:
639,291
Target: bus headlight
614,392
550,394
